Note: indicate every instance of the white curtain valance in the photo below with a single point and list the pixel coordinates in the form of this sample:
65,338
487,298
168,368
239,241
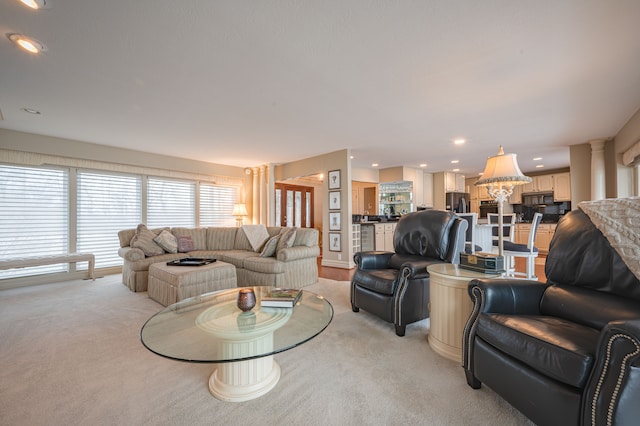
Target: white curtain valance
630,155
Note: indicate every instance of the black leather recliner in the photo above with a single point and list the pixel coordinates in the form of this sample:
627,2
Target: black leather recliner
566,352
395,286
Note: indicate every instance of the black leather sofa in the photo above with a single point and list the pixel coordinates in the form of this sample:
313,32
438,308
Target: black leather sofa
395,285
566,352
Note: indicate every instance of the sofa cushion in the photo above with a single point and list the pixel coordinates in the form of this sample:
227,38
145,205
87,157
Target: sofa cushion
167,241
198,236
143,239
383,281
555,347
185,244
266,265
287,237
269,249
221,238
242,242
237,257
257,235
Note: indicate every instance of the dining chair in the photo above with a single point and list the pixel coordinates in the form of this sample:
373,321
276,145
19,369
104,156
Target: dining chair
528,251
470,245
508,232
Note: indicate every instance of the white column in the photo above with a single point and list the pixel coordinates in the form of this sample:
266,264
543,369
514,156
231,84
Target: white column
636,179
256,207
597,169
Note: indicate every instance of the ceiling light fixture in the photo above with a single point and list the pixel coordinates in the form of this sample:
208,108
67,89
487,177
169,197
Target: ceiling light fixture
34,4
539,166
537,159
375,165
29,44
459,141
455,161
423,165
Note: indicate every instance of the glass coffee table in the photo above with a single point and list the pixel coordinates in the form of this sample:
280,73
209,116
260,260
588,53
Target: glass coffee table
211,328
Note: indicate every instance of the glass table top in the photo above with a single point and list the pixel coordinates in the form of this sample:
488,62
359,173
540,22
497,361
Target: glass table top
211,328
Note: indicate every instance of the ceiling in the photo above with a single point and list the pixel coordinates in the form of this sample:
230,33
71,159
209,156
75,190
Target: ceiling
246,83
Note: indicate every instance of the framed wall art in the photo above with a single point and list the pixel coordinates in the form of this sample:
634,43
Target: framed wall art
334,200
334,241
334,179
334,221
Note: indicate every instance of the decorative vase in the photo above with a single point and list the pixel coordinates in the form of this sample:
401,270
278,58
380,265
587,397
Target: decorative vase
246,299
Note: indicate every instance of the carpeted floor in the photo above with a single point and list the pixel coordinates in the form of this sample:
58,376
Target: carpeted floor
72,356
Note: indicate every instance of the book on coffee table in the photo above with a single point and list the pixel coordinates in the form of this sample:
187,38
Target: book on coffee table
281,298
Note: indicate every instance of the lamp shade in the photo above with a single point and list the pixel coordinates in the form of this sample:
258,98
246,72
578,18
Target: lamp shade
239,210
502,169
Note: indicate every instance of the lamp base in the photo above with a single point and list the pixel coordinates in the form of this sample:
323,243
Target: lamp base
239,222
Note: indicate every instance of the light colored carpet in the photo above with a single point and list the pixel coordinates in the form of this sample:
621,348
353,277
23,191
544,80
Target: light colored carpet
71,355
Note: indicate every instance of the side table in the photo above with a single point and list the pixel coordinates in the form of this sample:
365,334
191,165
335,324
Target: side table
450,307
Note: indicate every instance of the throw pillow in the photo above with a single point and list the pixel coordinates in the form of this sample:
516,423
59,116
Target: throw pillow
287,237
269,249
257,235
167,241
185,245
143,239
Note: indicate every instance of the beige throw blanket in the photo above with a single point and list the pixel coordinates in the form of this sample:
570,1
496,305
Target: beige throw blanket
619,221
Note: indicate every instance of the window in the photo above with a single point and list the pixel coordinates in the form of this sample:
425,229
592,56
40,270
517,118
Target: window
107,203
35,216
216,205
171,203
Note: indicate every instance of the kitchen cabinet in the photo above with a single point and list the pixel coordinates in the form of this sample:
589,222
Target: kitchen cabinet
562,186
444,182
396,198
516,196
522,231
384,236
541,183
544,235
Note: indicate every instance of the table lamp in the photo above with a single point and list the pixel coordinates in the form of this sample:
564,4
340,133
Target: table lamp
239,211
500,175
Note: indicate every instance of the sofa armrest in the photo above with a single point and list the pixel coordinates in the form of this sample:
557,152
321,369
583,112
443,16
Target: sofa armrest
611,396
298,252
507,296
372,259
131,254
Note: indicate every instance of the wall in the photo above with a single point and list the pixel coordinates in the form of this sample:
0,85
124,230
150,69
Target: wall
625,139
580,166
338,160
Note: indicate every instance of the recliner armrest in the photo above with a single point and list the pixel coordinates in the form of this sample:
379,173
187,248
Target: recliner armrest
611,396
415,269
372,259
507,296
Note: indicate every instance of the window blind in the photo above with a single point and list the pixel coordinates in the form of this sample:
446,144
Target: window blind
171,203
107,203
216,205
35,216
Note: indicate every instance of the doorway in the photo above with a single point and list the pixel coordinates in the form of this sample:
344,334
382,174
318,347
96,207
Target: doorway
294,205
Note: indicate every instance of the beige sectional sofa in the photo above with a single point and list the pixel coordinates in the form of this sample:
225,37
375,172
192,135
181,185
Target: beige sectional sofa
291,267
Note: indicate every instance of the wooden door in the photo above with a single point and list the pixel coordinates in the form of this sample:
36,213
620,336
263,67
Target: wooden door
294,205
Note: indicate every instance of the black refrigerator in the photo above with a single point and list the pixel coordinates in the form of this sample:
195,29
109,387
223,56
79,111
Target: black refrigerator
457,202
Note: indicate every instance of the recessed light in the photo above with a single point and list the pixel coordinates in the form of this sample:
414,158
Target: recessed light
459,141
34,4
31,111
351,157
456,170
29,44
539,166
455,161
423,165
375,165
537,159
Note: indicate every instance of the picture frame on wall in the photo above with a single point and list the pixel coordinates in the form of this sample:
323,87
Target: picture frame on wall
334,241
334,179
334,200
334,221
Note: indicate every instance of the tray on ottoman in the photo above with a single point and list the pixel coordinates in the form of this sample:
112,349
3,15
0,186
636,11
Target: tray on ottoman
191,261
